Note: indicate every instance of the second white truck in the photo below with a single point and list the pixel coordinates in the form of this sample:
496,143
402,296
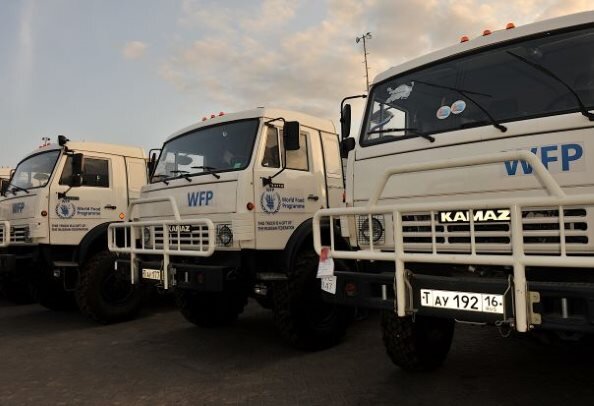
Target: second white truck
228,215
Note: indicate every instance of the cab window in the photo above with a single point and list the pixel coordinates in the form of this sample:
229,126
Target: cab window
271,157
298,159
96,172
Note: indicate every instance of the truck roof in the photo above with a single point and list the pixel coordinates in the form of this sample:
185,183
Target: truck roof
503,35
304,119
113,149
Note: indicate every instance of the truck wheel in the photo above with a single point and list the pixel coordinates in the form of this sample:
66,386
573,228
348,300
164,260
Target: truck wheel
17,291
104,294
210,309
300,314
419,345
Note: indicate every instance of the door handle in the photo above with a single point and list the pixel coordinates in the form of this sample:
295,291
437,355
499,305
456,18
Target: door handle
110,207
313,197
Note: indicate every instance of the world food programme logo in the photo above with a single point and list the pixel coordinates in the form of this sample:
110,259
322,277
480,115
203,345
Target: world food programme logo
270,202
65,209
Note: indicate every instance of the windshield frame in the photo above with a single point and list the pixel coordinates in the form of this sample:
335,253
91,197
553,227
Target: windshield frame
195,131
363,142
12,185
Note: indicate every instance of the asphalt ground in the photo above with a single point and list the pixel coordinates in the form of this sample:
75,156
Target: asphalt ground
49,358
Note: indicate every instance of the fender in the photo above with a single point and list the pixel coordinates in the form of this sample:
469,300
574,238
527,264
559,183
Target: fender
95,237
304,235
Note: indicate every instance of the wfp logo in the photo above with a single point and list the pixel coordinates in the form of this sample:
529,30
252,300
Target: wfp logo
270,201
556,158
65,209
201,198
17,208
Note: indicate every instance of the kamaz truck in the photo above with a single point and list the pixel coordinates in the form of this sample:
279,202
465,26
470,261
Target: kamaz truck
228,215
53,232
470,191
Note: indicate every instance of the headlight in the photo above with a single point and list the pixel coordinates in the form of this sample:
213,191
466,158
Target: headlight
224,235
376,230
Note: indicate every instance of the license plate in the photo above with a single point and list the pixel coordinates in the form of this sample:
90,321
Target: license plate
329,284
154,274
472,302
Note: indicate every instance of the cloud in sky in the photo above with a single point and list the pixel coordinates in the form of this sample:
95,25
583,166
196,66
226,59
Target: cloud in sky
247,57
24,60
134,50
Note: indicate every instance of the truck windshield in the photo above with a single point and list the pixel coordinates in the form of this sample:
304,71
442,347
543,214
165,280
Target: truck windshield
223,147
34,171
552,74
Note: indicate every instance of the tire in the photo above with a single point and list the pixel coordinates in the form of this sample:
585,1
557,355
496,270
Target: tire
419,345
302,318
19,292
104,294
210,309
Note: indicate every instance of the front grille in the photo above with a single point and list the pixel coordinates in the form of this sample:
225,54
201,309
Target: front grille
541,233
196,238
20,234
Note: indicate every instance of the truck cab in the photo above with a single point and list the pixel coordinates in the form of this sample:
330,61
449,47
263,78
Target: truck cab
470,191
56,209
227,215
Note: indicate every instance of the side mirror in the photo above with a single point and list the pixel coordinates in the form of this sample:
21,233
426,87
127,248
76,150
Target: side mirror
291,135
77,170
152,163
346,146
345,121
4,186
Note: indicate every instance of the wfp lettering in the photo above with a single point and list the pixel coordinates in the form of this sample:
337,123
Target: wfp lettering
201,198
564,154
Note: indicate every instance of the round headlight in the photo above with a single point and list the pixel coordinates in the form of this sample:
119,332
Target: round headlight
377,229
225,235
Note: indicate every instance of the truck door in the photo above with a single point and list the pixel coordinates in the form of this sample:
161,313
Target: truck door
101,198
292,196
333,169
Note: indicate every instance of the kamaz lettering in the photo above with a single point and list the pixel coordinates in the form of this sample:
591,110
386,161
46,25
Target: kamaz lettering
564,153
461,216
201,198
179,229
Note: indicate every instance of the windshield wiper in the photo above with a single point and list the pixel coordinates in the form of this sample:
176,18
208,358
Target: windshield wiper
550,73
15,187
182,174
208,169
466,94
413,131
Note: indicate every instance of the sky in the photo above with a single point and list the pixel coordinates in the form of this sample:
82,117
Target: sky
135,71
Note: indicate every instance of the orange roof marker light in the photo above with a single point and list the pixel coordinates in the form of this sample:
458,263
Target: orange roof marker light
487,32
221,113
464,38
509,26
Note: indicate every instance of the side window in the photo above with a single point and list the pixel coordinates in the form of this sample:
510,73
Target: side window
298,159
332,156
96,172
271,157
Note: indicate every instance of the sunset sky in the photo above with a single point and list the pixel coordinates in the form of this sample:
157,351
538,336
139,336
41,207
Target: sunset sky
135,71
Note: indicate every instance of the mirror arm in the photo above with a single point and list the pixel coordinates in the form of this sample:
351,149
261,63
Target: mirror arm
359,96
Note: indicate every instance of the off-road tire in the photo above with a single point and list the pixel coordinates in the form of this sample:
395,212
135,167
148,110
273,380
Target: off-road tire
211,309
19,292
104,294
419,345
301,316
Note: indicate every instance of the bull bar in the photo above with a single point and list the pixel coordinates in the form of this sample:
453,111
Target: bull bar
556,197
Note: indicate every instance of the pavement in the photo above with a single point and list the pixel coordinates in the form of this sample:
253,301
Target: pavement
51,358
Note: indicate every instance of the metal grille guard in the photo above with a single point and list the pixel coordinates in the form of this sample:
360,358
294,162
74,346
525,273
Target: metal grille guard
518,259
4,233
123,238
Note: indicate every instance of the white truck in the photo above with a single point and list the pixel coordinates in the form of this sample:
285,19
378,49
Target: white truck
470,192
53,235
228,215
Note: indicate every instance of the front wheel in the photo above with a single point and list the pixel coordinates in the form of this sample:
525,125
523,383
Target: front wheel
105,294
301,316
211,309
417,345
